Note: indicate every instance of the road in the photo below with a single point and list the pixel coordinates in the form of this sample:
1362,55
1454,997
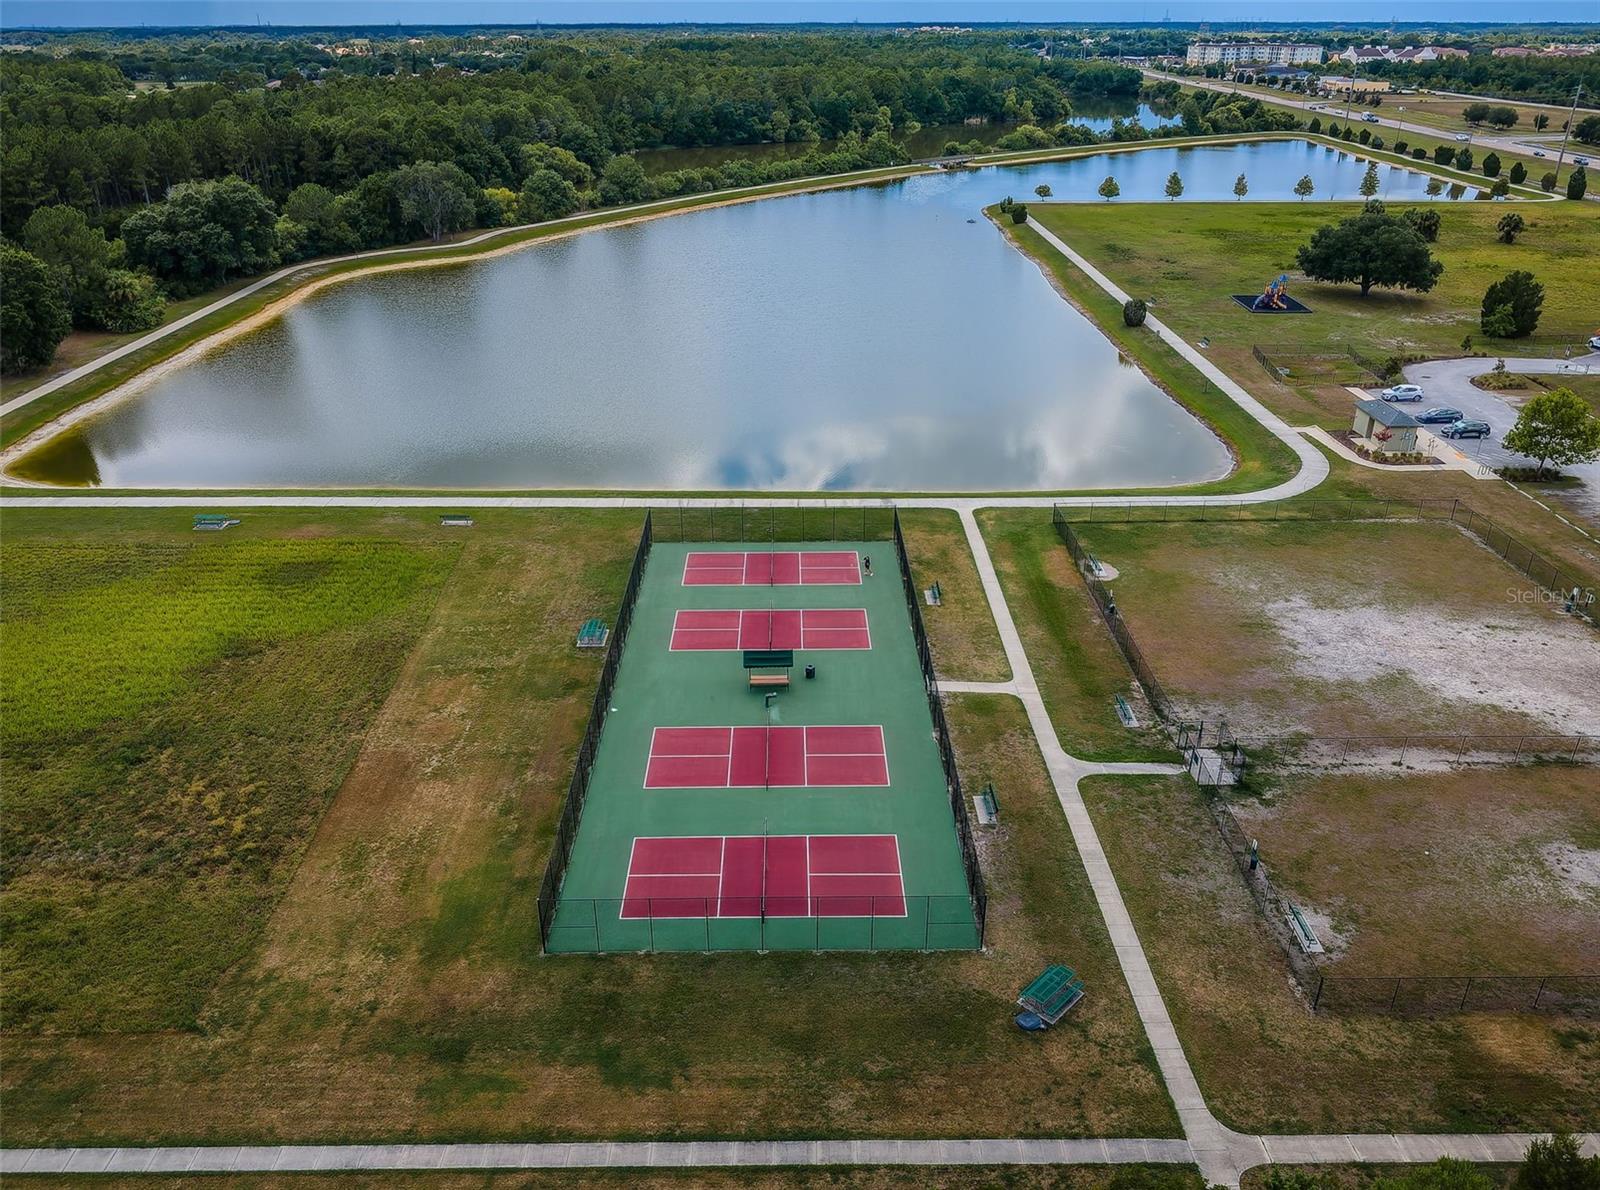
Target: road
1500,144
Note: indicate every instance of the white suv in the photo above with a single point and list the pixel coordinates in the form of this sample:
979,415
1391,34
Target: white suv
1402,392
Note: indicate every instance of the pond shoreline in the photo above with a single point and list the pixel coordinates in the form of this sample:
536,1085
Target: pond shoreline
207,343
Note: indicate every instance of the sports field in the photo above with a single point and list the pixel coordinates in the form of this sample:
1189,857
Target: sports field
726,816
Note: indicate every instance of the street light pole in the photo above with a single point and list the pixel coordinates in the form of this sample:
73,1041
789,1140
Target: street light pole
1567,135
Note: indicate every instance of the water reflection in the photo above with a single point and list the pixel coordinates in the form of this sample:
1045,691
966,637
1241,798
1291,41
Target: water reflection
869,338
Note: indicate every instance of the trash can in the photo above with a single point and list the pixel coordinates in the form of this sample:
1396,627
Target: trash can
811,672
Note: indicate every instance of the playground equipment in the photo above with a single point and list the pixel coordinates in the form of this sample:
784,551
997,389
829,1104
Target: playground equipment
1274,296
1273,299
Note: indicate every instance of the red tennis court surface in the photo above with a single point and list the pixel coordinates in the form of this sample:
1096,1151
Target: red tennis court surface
757,757
808,628
765,568
765,876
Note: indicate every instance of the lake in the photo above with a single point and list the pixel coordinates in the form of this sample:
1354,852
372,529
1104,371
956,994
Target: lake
880,337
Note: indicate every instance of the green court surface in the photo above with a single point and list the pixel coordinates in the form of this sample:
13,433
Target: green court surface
600,909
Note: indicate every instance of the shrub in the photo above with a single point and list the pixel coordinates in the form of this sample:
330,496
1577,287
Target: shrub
1019,212
1133,312
1548,183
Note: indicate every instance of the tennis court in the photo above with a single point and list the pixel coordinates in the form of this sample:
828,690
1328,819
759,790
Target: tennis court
722,817
767,568
765,876
778,628
766,757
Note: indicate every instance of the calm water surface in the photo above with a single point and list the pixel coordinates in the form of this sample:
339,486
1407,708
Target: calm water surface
868,338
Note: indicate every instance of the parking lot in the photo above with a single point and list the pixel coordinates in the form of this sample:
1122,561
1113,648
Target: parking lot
1449,382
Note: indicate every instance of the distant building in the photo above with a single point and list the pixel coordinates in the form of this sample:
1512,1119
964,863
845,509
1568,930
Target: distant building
1238,53
1514,51
1339,84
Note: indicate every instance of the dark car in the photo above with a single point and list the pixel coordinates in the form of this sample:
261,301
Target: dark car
1467,428
1438,414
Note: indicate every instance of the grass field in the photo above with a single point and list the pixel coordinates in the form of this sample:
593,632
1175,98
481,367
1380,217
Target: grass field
175,719
1348,629
1074,659
1401,881
396,990
1262,1061
1190,258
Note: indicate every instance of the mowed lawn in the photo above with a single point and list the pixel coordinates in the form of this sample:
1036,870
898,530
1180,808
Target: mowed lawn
1477,871
1264,1062
389,984
1189,258
1348,628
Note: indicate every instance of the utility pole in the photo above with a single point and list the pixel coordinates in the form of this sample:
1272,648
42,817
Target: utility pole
1567,135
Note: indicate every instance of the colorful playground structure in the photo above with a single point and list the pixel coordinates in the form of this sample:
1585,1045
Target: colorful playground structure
1275,295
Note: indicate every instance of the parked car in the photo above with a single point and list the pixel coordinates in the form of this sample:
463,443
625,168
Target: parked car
1594,343
1467,428
1463,136
1439,415
1402,392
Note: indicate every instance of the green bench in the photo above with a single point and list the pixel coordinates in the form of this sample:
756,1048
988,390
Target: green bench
213,522
593,635
1052,995
769,667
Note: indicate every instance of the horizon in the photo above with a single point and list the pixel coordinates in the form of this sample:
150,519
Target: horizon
68,15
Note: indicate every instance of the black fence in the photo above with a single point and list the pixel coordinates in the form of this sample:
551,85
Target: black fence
1108,611
1576,591
1346,366
941,730
572,807
1326,752
709,925
805,520
1433,995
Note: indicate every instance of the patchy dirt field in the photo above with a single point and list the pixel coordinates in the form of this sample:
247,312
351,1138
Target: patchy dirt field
1350,629
1263,1060
1491,871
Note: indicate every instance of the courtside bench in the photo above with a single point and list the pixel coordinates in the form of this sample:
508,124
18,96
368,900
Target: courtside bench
769,668
1052,994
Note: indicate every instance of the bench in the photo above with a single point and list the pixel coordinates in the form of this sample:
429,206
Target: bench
213,522
987,805
456,520
1052,995
593,635
769,668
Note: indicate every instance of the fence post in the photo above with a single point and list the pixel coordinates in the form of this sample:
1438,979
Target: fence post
650,916
1317,998
1540,991
1394,995
594,908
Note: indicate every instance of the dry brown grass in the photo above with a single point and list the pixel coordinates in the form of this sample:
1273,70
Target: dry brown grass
1486,871
1264,1062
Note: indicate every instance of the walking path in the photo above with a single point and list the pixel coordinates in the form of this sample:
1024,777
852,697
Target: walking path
1221,1153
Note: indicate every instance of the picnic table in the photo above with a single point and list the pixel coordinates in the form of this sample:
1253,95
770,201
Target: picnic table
1050,996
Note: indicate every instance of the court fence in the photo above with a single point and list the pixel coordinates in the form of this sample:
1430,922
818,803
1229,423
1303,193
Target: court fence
1433,995
578,790
708,925
804,520
1296,750
941,730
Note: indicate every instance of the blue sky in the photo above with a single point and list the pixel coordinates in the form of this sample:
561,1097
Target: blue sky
15,13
